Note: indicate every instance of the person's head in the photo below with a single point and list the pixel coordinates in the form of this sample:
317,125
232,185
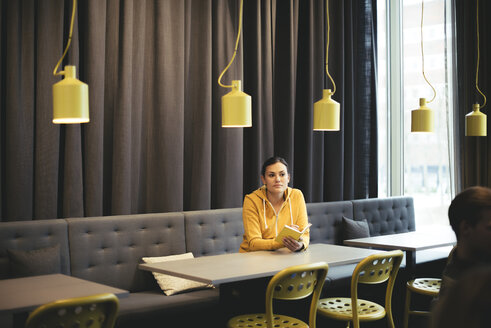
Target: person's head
469,207
274,174
470,217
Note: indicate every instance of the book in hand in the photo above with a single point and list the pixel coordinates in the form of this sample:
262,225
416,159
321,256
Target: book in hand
292,232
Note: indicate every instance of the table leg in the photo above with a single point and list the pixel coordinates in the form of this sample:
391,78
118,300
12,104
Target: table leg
410,261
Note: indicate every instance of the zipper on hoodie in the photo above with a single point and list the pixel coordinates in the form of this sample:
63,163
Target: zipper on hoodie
276,214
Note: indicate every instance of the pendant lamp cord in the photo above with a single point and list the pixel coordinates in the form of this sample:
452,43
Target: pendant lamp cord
327,47
236,46
68,43
478,54
423,54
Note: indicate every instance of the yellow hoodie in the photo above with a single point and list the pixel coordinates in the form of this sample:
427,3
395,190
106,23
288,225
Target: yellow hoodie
262,224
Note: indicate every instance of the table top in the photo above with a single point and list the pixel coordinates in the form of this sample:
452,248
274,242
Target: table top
25,294
218,269
409,241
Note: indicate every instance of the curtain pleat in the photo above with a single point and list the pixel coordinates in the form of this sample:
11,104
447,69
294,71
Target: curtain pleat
227,153
155,141
308,82
473,154
94,55
165,135
2,106
19,123
49,43
258,81
198,107
284,72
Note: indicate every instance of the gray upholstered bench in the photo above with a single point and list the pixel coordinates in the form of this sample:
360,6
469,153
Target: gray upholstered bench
108,249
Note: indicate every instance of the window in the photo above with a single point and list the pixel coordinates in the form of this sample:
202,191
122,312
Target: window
417,165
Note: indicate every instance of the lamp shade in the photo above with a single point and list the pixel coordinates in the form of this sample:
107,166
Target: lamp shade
70,99
326,113
423,118
475,123
236,108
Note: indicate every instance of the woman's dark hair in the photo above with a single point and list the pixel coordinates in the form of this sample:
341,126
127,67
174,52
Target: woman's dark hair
273,160
467,206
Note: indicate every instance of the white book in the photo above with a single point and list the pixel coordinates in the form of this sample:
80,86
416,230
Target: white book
292,232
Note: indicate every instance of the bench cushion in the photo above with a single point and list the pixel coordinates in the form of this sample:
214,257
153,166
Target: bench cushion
213,232
386,215
355,229
33,235
35,262
326,219
108,249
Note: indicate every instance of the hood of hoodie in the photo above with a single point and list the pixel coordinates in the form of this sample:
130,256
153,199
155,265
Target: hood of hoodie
261,193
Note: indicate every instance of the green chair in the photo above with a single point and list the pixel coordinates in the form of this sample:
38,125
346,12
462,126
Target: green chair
293,283
95,311
423,286
374,269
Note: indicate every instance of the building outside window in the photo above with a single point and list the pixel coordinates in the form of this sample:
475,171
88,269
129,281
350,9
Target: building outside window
417,165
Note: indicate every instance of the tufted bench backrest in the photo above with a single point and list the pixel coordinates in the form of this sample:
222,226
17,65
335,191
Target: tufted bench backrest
33,235
108,249
326,219
386,215
212,232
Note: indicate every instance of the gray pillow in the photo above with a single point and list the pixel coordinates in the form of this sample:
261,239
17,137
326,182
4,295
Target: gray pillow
355,229
35,262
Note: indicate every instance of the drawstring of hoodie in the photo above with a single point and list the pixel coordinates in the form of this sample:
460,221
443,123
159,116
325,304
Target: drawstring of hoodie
264,207
264,214
291,215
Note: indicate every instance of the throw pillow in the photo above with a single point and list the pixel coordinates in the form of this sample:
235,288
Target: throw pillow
355,229
34,262
171,285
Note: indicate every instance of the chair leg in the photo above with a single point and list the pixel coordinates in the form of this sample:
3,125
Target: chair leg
347,324
407,305
390,319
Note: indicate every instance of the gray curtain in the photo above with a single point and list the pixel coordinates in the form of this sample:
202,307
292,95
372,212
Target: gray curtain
155,142
473,154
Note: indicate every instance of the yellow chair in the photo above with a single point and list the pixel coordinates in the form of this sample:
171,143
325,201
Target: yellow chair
95,311
374,269
423,286
293,283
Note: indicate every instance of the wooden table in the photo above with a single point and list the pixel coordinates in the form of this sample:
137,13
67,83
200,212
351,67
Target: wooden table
233,267
20,295
410,242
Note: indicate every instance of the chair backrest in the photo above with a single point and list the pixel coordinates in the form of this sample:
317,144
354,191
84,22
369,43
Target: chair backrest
294,283
376,269
95,311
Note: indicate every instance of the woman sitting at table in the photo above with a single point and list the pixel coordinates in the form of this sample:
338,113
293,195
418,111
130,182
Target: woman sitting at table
268,209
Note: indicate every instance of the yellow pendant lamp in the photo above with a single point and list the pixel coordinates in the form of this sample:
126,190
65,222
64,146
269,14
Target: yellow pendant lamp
423,118
70,95
475,121
327,111
236,105
70,99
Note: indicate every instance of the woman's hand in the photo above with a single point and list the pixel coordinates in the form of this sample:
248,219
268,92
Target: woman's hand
292,244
